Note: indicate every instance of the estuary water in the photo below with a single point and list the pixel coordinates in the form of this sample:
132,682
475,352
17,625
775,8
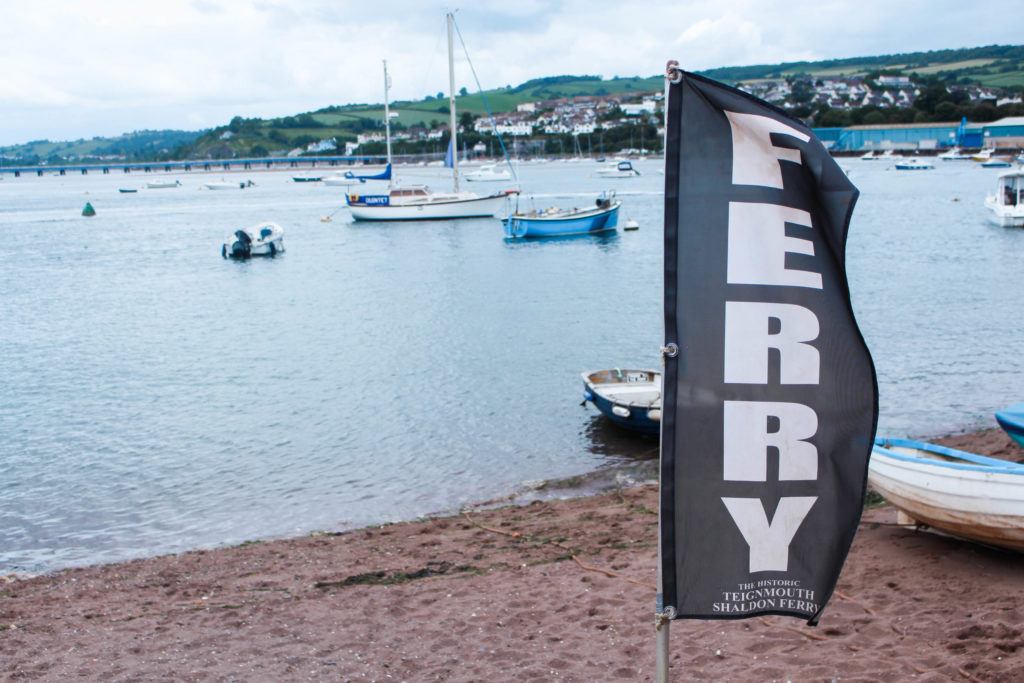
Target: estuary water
156,398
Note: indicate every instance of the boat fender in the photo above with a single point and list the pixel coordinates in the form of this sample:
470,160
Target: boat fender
654,414
273,249
621,411
587,396
223,251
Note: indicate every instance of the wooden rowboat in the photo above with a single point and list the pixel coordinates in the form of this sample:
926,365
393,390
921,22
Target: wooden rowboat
963,494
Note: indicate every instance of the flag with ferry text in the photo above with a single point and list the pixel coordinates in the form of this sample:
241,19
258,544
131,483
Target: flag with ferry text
770,401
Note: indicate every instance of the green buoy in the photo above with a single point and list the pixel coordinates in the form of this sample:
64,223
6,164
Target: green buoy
88,210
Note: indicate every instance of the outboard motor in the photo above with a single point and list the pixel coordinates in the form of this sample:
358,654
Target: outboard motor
241,248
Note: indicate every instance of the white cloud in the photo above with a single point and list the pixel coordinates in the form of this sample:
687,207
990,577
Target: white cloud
96,67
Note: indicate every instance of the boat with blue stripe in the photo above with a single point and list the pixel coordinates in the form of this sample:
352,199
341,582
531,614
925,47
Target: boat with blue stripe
972,496
555,222
630,398
1011,419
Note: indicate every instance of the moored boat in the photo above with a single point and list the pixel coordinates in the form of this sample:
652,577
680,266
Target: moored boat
954,154
127,190
628,397
623,169
996,162
1011,419
412,203
967,495
162,184
307,178
488,173
226,185
913,165
555,222
1006,206
870,156
263,239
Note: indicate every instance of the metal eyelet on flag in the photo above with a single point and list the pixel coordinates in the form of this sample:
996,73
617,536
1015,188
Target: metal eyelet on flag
670,350
672,71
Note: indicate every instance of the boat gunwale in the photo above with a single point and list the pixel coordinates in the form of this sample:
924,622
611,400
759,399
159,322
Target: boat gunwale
977,463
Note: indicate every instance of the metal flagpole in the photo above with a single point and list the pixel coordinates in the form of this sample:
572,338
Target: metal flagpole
451,105
663,615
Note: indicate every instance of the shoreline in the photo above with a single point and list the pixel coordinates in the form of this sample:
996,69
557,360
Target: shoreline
555,589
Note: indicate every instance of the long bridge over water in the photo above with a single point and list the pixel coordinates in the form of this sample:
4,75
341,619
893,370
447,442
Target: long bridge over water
202,165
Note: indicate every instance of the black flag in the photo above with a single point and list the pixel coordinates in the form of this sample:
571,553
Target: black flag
770,398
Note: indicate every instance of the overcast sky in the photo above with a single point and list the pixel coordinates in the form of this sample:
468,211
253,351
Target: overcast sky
102,67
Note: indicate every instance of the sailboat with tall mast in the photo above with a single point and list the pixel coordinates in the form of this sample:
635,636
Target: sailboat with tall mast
418,202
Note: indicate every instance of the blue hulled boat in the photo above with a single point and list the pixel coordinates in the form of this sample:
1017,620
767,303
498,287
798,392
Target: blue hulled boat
556,222
629,398
1012,421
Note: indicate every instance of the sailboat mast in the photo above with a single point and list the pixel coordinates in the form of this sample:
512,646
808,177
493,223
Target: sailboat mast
387,114
451,105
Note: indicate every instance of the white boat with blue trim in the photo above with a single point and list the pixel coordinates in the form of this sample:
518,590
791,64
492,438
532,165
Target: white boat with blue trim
964,494
913,165
418,202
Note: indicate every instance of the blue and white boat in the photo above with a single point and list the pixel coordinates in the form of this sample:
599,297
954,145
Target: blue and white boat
1011,419
629,398
972,496
913,165
555,222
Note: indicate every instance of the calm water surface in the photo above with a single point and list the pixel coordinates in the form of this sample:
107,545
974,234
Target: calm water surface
155,398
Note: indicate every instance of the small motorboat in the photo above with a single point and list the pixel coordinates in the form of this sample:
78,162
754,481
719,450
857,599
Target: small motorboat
954,154
967,495
127,190
913,165
556,222
488,173
984,155
340,181
996,162
623,169
1011,419
162,184
870,156
225,185
307,178
1006,206
629,398
264,239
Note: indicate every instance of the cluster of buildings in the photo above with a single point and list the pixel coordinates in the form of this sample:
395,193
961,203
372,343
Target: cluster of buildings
854,92
570,116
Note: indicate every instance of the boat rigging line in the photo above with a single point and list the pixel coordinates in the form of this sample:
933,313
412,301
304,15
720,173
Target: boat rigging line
483,98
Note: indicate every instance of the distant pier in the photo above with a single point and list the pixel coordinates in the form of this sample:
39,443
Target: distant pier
207,165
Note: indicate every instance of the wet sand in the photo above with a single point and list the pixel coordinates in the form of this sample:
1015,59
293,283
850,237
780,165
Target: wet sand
552,590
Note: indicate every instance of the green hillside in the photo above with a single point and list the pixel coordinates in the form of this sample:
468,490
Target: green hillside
999,66
140,144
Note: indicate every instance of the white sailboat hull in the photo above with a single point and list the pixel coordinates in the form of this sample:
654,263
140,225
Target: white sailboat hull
983,506
478,207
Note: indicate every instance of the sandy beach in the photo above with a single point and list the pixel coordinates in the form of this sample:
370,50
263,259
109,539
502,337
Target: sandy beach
551,590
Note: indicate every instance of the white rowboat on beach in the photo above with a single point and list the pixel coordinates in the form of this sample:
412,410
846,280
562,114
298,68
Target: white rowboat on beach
963,494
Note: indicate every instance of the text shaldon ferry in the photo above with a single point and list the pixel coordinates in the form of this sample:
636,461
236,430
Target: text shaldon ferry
418,202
